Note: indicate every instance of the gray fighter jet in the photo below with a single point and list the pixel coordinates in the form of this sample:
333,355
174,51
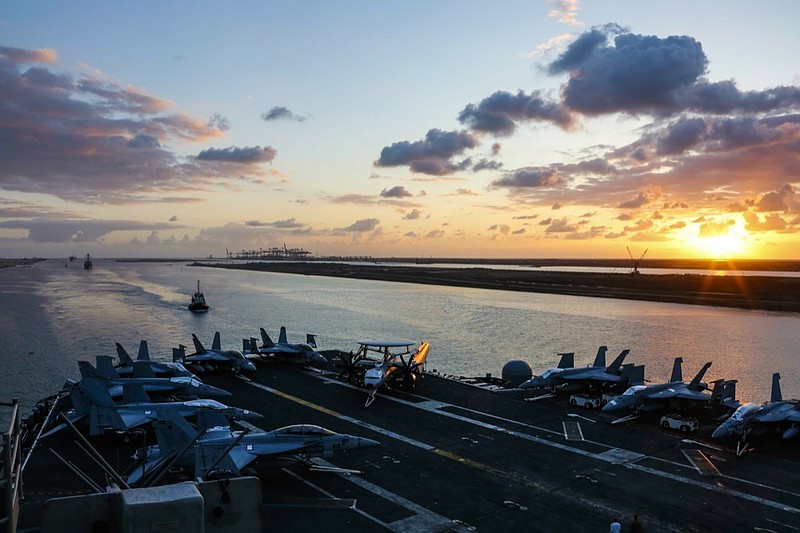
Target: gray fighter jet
777,414
160,368
214,359
183,386
576,378
90,398
655,397
214,449
301,353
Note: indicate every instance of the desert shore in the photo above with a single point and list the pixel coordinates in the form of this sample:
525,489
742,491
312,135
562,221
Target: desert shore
766,292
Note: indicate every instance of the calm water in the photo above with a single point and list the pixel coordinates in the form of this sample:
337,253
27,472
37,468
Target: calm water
52,316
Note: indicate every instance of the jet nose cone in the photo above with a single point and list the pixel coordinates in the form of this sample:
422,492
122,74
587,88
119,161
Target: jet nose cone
530,384
720,432
250,366
362,442
215,391
611,406
318,358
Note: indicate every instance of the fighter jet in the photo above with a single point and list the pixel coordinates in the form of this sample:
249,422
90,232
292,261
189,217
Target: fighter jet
90,398
571,378
213,449
302,353
213,359
402,367
160,368
177,386
655,397
776,414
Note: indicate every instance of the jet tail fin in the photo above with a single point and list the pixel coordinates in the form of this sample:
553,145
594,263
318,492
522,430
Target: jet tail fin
173,432
87,370
96,392
695,383
142,369
677,371
179,354
282,338
211,418
632,374
615,365
248,346
311,340
600,358
124,358
198,346
216,344
266,340
134,392
567,360
144,352
776,395
105,366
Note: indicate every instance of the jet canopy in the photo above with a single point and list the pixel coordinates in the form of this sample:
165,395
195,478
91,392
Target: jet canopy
303,430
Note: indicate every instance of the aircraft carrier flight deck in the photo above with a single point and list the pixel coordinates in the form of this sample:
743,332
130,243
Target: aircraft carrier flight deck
460,457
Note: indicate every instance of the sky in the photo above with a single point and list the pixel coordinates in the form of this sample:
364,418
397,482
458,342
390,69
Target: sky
469,128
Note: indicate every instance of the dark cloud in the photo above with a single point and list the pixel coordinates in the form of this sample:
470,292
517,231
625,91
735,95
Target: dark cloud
529,178
638,74
60,230
247,155
414,214
782,200
289,223
431,155
499,113
681,136
397,191
281,113
486,164
88,139
363,225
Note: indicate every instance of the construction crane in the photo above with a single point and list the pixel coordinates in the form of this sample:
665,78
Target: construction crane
635,269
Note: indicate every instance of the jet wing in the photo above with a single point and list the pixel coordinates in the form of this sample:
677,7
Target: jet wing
135,419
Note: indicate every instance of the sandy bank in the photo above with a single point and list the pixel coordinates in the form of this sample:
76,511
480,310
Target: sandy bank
747,292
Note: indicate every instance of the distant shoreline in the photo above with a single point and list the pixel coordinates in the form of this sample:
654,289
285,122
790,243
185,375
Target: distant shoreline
765,293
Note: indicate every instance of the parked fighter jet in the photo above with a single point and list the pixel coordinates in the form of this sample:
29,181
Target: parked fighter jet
778,414
403,366
655,397
90,398
571,378
159,368
302,353
214,449
213,359
179,386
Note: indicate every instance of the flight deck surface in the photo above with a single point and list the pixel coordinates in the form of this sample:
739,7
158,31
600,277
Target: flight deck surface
455,457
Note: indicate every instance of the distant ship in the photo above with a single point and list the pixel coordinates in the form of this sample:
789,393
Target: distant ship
88,263
198,304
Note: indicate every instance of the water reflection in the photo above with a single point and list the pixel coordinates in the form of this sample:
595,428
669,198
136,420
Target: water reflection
81,314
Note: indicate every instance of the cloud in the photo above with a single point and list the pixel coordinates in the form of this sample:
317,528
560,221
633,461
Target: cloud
89,139
713,228
281,113
431,155
289,223
529,178
363,225
60,230
219,122
397,191
638,74
499,113
772,222
782,200
641,199
566,11
247,155
414,214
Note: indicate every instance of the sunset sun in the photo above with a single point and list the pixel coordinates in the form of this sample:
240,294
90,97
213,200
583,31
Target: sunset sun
730,242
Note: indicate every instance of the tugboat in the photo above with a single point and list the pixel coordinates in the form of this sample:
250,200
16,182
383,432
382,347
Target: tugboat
88,263
198,304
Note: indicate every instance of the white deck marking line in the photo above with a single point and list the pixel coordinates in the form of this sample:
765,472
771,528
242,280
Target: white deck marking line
563,447
331,495
422,515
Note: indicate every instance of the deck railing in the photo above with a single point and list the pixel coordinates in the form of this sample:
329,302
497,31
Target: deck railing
11,470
